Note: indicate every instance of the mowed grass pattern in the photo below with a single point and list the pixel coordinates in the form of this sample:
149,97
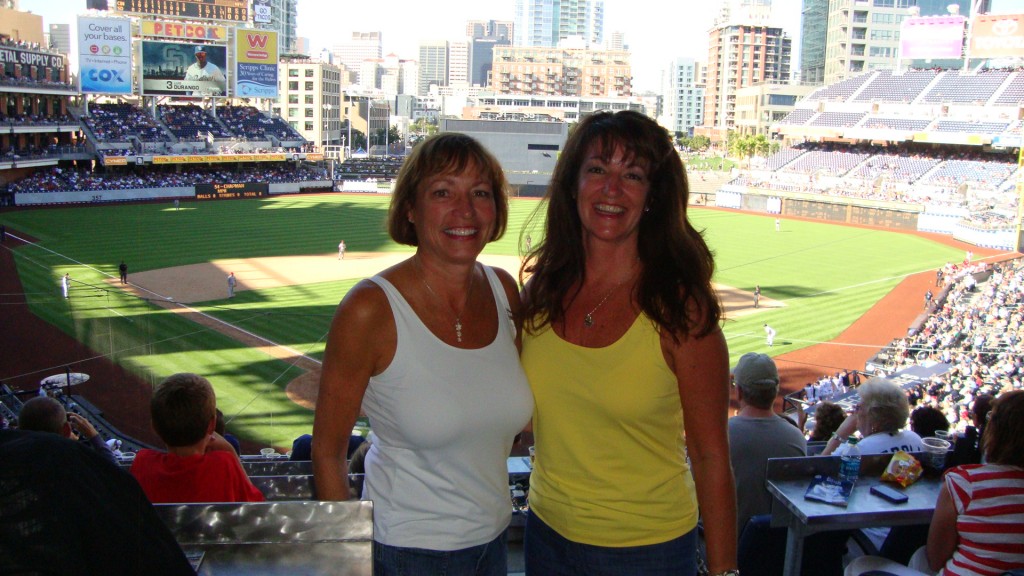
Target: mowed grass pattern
827,275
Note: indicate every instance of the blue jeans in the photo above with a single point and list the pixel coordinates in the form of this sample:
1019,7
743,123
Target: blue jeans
548,553
489,559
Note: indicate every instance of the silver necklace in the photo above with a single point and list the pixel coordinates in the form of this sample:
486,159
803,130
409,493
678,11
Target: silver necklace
458,315
588,320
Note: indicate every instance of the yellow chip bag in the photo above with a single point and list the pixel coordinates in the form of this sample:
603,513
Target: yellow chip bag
903,469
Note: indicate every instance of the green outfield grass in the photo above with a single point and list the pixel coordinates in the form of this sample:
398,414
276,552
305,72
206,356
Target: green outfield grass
827,275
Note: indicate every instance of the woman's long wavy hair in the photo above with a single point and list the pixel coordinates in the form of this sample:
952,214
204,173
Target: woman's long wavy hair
674,289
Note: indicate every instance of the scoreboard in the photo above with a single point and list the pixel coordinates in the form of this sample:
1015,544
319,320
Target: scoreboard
234,10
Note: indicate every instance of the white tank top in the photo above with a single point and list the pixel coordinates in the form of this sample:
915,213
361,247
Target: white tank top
444,420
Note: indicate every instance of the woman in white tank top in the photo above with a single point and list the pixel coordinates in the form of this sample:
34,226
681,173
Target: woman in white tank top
429,350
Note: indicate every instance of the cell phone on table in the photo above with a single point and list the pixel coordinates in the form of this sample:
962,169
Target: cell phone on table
890,494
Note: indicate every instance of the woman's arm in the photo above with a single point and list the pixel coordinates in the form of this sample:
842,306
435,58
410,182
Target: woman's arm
942,536
701,366
360,343
848,427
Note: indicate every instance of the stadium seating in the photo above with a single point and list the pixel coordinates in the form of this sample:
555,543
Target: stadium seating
113,123
249,123
1013,94
953,86
889,87
841,91
190,122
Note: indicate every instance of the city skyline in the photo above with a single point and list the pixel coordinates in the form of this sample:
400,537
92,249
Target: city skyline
655,33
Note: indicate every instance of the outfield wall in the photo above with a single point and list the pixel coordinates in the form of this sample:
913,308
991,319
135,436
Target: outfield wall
863,212
183,192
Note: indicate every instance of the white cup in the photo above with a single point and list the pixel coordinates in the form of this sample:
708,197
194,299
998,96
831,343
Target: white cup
267,451
533,456
935,450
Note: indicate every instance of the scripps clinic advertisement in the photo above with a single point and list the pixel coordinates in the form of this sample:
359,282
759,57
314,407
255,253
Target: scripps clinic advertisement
176,69
104,55
256,62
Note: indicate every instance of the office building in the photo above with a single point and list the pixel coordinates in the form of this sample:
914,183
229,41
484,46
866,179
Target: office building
500,29
545,23
561,71
740,55
362,46
433,64
683,96
60,37
458,62
310,100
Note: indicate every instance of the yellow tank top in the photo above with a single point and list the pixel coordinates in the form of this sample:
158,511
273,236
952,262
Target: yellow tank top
611,464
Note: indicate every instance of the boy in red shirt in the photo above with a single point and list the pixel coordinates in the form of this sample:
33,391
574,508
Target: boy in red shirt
199,465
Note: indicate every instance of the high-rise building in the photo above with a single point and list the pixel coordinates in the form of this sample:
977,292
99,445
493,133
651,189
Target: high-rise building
500,29
683,96
458,62
283,19
433,66
362,46
617,41
310,99
60,37
740,55
561,71
545,23
814,24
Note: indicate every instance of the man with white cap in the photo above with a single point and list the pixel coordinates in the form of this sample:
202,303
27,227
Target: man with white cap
758,433
206,71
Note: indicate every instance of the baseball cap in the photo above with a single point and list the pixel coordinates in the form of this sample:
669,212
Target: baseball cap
200,49
756,371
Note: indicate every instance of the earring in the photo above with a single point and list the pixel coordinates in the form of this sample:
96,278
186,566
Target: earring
647,209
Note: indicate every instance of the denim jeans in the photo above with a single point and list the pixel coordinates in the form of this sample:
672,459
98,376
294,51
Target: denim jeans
489,559
548,553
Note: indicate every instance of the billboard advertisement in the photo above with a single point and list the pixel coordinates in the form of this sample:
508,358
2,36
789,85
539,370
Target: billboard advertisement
932,37
184,31
997,36
176,69
104,55
261,11
256,63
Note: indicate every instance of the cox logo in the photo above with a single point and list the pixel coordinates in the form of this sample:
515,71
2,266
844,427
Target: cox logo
105,76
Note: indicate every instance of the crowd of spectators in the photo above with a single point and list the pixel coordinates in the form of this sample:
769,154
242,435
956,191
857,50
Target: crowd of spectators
190,122
59,179
116,122
249,123
975,328
376,167
35,119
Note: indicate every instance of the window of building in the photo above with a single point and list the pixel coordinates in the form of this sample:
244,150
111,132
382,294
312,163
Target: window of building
293,98
309,86
309,98
293,112
309,72
293,73
309,126
293,85
309,112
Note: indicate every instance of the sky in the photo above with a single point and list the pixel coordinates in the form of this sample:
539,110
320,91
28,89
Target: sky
656,31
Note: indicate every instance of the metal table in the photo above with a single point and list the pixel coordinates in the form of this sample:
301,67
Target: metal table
788,479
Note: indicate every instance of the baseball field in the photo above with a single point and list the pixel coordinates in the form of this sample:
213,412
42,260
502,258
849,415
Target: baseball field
261,348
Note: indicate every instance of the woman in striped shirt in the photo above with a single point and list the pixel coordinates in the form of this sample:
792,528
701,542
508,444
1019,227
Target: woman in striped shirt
978,525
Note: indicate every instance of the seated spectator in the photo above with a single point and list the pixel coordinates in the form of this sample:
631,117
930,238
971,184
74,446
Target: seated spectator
758,433
46,414
880,418
199,465
302,448
976,527
925,420
231,438
828,416
64,510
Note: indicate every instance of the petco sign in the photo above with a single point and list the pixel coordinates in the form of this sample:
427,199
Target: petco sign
181,30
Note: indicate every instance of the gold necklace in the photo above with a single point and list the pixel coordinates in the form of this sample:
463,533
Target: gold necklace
588,320
458,315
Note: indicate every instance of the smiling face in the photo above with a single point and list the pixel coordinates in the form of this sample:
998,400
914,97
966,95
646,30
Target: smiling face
201,59
454,214
611,194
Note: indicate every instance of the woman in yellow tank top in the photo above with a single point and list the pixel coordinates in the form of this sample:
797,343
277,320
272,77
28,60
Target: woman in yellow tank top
628,366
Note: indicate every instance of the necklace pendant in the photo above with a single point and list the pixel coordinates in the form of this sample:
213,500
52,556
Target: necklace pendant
458,330
588,320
